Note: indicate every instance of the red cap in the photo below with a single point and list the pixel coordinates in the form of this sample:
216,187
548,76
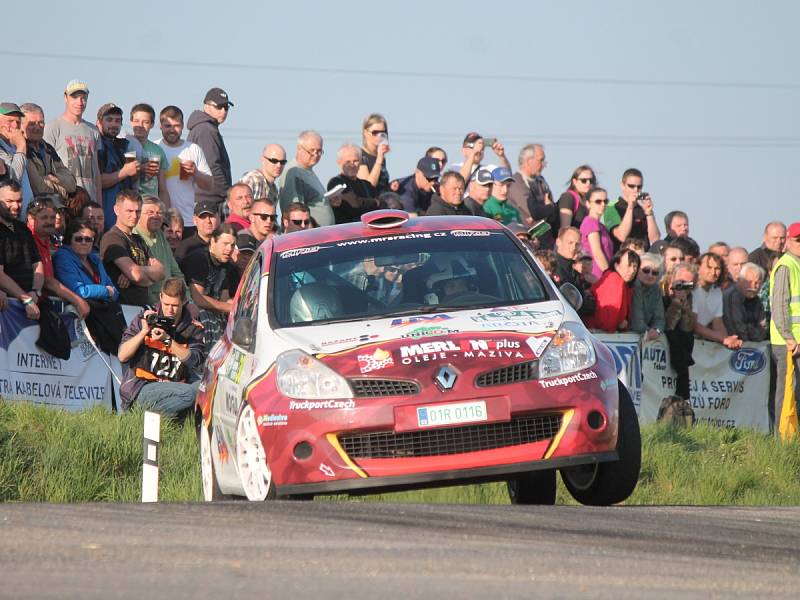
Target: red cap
794,230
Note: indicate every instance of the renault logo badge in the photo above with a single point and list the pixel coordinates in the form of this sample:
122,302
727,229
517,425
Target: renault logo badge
446,377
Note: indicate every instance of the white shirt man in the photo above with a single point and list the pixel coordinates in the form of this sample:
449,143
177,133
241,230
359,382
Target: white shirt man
187,168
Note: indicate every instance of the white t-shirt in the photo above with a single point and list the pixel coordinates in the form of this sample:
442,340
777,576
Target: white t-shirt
707,305
181,191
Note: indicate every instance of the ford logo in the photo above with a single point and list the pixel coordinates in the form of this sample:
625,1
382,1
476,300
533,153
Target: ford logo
748,361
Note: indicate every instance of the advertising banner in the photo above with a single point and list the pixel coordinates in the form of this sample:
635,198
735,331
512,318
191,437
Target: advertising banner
625,348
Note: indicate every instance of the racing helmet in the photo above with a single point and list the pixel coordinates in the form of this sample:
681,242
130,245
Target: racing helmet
457,272
313,302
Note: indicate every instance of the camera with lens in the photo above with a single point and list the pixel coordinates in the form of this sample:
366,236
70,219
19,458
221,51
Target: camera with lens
642,196
161,322
681,286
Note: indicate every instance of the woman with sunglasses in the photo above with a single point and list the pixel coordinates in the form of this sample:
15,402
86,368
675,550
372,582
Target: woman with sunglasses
375,145
595,239
647,306
613,293
571,205
78,266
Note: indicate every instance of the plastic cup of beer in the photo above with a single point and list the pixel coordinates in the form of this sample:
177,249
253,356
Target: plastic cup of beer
154,163
130,156
184,173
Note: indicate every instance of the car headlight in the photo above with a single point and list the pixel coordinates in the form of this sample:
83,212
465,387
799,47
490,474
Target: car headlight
303,377
569,351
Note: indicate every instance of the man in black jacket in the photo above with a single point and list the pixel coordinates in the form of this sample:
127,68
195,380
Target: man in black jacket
204,131
451,201
568,245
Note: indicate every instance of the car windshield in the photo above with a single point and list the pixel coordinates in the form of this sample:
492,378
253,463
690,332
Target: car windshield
396,274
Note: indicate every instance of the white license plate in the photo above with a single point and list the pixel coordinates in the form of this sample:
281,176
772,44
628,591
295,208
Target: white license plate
450,414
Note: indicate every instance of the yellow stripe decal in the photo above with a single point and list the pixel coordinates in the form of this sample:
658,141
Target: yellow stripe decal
334,441
556,440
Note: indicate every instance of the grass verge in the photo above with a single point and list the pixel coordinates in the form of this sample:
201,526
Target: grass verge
52,456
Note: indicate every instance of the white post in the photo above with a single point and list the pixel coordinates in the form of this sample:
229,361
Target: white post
152,436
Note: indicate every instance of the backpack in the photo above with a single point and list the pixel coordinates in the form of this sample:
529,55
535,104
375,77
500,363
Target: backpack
676,411
576,204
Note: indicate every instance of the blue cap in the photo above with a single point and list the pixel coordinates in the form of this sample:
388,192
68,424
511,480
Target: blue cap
501,174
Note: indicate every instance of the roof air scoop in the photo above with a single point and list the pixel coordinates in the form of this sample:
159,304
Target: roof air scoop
385,219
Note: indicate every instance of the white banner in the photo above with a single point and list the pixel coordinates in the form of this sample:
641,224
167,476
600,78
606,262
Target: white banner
30,374
625,348
728,388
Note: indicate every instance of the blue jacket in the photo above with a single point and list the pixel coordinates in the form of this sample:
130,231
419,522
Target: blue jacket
69,271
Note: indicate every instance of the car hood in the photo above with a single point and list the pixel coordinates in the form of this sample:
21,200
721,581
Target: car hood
408,329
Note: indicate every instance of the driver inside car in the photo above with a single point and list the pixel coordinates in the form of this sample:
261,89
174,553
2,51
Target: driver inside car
452,281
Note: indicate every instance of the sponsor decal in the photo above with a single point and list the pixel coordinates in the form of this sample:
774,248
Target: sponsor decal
202,386
420,320
518,318
610,382
232,402
469,233
299,251
380,359
361,338
537,344
326,470
748,361
562,381
222,447
433,331
272,420
439,350
392,238
655,352
321,404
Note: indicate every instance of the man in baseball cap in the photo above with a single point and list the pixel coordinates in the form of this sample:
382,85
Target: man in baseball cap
496,206
206,220
76,140
13,151
784,333
204,131
416,190
479,188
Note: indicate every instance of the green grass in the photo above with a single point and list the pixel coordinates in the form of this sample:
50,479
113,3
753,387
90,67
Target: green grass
52,456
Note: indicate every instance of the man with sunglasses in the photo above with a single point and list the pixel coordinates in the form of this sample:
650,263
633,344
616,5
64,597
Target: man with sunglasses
299,183
417,190
631,216
296,217
206,220
187,169
204,131
262,181
263,225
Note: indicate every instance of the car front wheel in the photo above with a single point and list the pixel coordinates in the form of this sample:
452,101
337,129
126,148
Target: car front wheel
602,484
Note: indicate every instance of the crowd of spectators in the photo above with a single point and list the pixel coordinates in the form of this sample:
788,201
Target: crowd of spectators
113,216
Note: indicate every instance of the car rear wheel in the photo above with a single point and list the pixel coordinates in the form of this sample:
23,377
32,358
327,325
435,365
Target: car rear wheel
251,459
537,487
611,482
211,491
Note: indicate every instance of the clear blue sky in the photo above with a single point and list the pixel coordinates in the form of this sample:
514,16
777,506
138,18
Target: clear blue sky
701,96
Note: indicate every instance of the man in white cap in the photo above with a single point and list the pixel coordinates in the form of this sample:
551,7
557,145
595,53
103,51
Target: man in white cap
76,140
13,150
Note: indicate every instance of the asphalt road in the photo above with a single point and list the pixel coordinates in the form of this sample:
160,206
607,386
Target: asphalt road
371,550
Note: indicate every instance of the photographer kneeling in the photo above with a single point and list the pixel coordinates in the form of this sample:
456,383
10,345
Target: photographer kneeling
160,349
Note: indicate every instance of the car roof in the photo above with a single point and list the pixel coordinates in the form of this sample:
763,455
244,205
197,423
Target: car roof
349,231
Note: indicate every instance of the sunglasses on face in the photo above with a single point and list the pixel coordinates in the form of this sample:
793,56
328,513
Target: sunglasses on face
377,131
391,269
264,216
632,186
314,151
648,271
586,179
83,239
600,201
206,216
301,222
276,161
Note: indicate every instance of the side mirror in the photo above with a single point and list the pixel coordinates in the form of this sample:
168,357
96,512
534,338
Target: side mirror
572,294
243,332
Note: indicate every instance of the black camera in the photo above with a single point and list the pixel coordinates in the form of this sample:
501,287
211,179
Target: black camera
680,286
642,196
160,321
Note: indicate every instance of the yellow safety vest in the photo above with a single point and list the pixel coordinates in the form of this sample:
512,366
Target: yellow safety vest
793,265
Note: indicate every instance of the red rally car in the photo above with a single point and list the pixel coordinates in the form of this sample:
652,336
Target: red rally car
404,352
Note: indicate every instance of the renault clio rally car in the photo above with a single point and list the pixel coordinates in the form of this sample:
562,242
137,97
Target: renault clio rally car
401,352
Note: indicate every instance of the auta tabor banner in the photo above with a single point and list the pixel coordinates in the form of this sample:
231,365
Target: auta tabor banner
728,388
28,373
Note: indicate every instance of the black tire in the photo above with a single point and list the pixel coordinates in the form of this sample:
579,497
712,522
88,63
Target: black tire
214,493
608,483
536,487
